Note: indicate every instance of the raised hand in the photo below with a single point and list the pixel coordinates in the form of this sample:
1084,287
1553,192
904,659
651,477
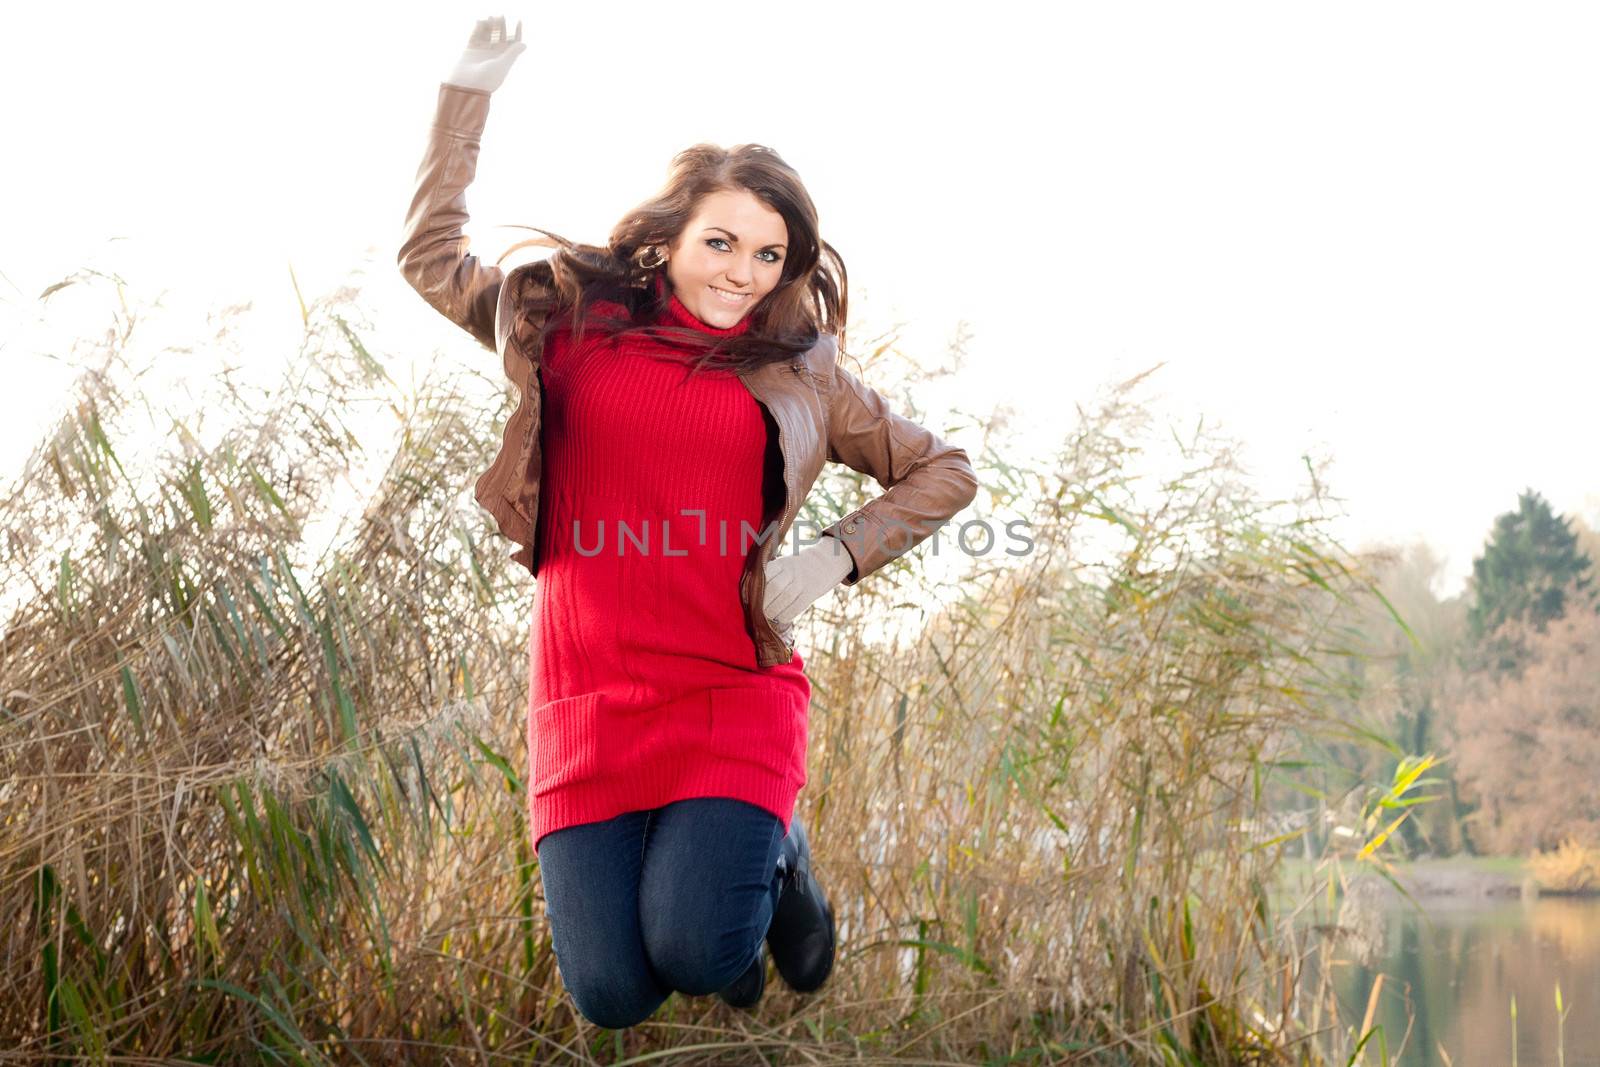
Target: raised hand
488,56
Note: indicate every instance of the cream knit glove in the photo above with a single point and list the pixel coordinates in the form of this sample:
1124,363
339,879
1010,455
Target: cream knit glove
488,56
796,581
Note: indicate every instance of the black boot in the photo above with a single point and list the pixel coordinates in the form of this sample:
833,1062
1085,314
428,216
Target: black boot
745,991
802,935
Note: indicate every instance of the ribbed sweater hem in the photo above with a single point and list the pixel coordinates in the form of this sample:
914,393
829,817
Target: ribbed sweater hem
601,760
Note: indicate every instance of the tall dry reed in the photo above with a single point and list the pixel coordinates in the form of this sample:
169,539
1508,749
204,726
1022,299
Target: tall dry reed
263,798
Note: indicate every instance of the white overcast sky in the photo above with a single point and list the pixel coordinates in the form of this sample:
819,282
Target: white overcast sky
1366,231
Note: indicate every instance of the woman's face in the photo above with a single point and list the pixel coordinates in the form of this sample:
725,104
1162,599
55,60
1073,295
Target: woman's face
734,244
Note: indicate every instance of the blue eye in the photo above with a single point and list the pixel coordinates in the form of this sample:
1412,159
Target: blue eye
723,240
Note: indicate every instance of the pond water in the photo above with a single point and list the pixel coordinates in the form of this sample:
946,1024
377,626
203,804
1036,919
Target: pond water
1455,967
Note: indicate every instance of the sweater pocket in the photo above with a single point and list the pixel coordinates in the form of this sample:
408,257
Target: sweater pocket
761,727
566,742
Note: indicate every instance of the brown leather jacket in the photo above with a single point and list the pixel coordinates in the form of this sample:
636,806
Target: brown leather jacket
822,412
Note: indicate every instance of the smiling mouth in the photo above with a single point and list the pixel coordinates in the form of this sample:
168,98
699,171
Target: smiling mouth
728,297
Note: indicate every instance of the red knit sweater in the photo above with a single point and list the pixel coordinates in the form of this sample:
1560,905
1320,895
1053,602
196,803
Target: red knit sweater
643,683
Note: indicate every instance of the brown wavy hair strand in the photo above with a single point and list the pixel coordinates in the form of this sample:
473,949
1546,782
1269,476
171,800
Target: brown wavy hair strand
810,298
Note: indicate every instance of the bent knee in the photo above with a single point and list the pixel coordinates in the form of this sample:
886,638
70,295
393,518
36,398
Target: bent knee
614,991
613,1008
695,962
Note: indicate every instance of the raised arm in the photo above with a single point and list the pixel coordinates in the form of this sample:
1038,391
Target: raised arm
434,256
926,479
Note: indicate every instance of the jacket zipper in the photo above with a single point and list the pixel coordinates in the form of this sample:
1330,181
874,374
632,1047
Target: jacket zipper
783,515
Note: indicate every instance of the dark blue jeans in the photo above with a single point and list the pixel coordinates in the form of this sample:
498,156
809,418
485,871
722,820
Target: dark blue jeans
675,898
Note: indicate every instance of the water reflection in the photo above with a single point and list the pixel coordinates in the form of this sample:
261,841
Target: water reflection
1456,965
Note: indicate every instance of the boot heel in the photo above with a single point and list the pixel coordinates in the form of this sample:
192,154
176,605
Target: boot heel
745,991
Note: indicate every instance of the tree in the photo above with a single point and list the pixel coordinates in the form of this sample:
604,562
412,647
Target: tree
1529,567
1402,675
1528,743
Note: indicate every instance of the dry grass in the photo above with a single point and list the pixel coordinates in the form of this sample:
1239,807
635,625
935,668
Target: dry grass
264,802
1572,867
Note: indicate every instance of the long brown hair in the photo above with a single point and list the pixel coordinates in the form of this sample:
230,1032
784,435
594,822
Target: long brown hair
810,297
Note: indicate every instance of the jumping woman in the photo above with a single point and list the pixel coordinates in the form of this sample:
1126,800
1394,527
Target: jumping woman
680,390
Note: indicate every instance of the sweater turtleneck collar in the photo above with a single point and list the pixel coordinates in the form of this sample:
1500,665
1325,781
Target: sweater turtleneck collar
678,315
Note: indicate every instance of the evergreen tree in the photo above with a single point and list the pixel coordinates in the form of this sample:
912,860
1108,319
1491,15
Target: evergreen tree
1529,565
